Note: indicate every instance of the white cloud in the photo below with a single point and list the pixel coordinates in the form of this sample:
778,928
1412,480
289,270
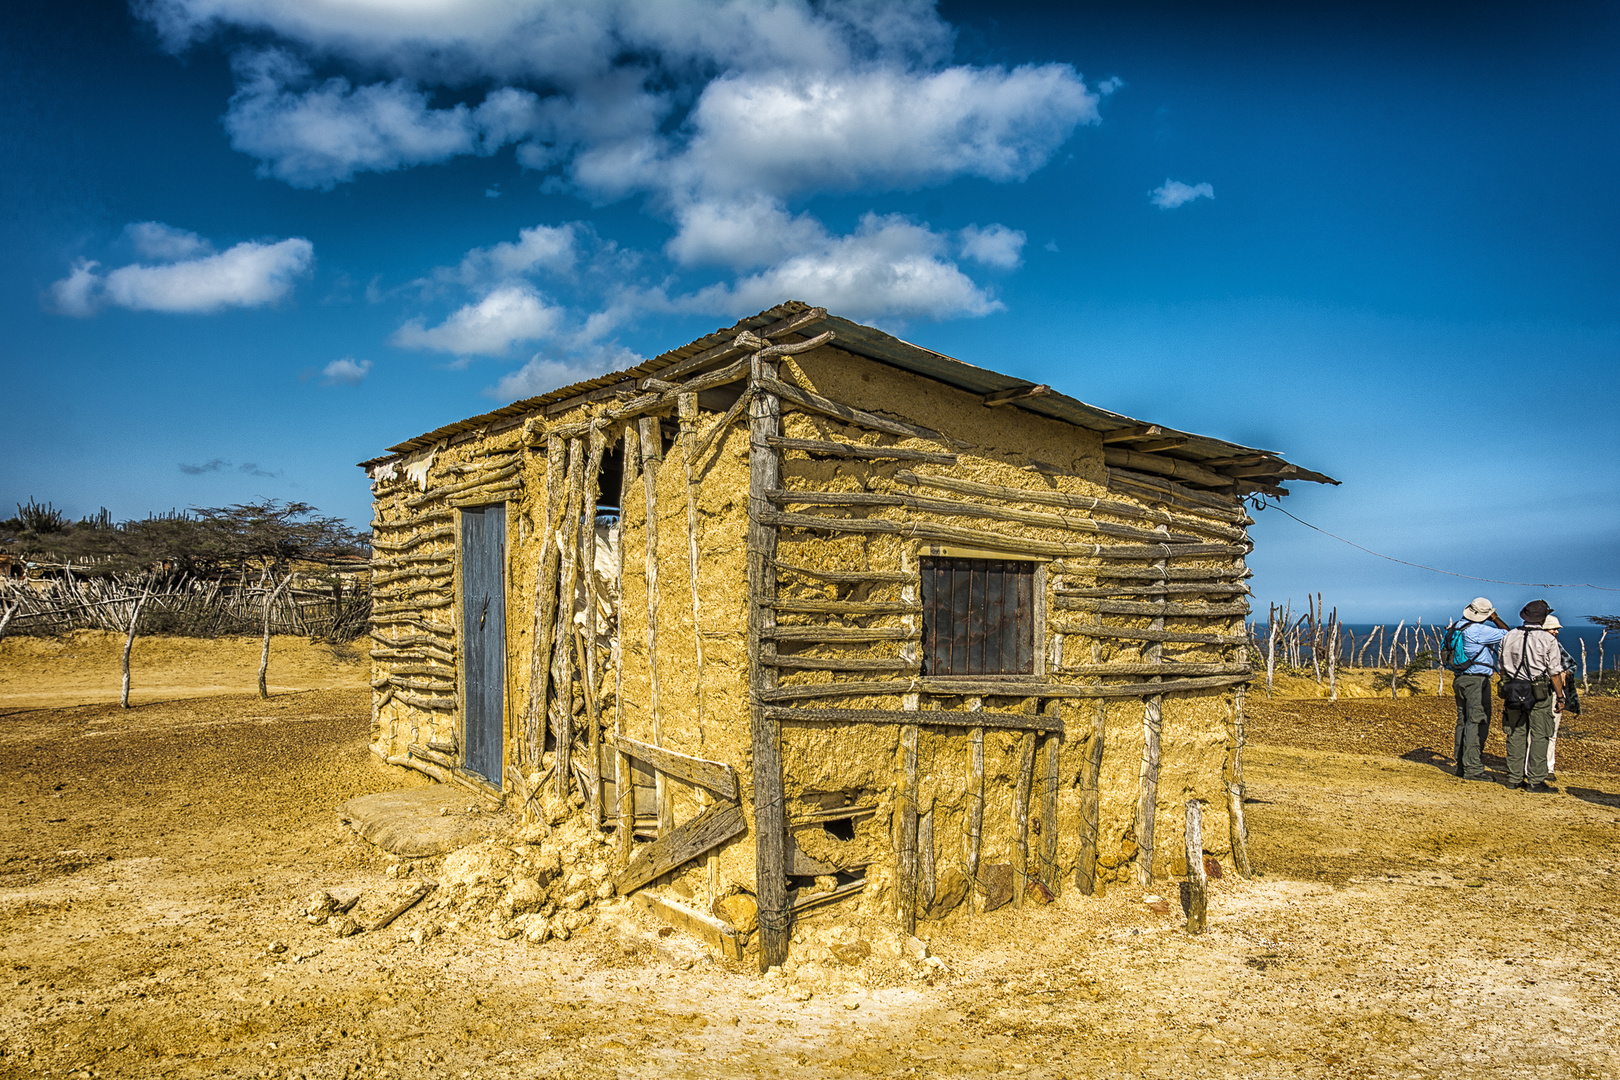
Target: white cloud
320,136
164,243
996,245
1173,193
1109,85
507,315
250,274
543,374
741,233
551,248
346,371
888,268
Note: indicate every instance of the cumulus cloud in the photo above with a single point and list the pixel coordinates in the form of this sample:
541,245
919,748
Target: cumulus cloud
1173,193
889,268
164,243
552,248
543,374
345,371
507,315
250,274
740,233
995,245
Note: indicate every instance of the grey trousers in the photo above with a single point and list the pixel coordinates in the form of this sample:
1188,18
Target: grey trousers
1473,694
1527,738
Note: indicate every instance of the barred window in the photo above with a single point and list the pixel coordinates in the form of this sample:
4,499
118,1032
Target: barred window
978,617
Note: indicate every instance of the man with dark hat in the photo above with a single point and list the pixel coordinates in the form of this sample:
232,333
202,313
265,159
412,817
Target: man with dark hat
1533,670
1472,686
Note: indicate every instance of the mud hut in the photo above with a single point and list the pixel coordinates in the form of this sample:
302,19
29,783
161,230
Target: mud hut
820,613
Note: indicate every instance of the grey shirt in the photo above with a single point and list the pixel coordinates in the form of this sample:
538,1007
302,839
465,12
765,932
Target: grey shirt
1531,653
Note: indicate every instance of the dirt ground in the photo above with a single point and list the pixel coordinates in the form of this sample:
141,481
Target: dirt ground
1403,923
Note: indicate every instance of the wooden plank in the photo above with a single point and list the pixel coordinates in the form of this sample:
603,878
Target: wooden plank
842,634
770,809
1017,393
925,859
954,687
993,541
1065,499
1097,630
1164,490
1198,884
839,663
442,533
681,845
1166,466
816,403
1103,591
853,687
852,450
959,508
717,776
1132,433
1020,816
708,929
1164,667
816,900
1104,572
1085,874
851,577
909,717
905,830
843,607
1134,607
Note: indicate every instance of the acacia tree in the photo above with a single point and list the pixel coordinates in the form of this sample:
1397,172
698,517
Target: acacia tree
274,537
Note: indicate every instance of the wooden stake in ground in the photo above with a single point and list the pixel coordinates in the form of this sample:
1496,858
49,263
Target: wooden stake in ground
264,654
129,639
1197,883
5,620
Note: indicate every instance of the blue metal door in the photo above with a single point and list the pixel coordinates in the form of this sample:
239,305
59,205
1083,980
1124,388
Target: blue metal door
483,638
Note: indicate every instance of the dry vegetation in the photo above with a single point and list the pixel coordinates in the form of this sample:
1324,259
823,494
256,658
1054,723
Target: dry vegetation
1406,923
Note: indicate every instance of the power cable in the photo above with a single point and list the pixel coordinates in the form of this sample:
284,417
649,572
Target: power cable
1260,505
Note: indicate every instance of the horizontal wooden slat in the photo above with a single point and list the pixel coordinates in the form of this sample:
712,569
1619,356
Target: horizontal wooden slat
1166,466
924,530
832,635
844,607
1148,607
850,450
439,704
837,813
1151,573
854,577
959,508
1098,631
925,717
466,485
414,521
441,533
413,605
1190,589
406,575
1164,668
717,776
838,663
1066,499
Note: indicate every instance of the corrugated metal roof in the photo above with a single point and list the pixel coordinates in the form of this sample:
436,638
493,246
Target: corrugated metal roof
884,348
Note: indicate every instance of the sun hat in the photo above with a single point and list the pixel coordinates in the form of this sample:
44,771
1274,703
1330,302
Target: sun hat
1551,623
1479,609
1535,611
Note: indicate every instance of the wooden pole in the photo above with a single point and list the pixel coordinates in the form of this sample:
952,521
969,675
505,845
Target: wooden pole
264,653
686,410
568,530
1235,789
623,781
1020,816
652,453
925,859
1051,745
1197,883
975,822
1085,874
545,599
129,639
1148,792
593,697
770,811
905,832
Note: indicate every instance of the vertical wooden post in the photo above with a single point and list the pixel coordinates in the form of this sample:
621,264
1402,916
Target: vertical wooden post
545,600
563,638
1234,788
905,831
1197,884
1020,815
1051,745
652,452
1152,727
623,780
770,811
1085,873
593,696
925,859
686,409
975,821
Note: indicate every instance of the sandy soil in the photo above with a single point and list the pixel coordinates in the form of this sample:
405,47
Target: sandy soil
1405,923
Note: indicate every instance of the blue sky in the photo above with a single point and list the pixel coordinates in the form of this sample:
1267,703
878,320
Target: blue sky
251,243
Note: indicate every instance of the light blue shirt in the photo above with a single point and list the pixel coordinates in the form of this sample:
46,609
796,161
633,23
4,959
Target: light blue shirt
1481,642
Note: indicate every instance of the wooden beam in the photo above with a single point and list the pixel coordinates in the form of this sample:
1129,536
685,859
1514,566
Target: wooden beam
717,932
844,607
1162,667
829,635
1017,393
1096,630
816,403
951,534
1130,434
727,349
1101,591
1085,874
681,845
851,450
1276,469
1142,607
852,577
1153,446
920,717
838,663
717,776
1165,466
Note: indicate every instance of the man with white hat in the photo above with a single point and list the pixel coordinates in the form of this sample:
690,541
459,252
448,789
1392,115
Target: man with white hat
1570,702
1472,686
1533,673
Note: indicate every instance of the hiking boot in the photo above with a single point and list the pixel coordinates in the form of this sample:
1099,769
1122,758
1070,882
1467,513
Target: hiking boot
1540,789
1482,776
